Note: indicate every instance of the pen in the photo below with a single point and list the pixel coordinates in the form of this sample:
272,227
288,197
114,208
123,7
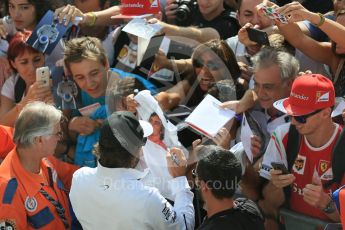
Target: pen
174,158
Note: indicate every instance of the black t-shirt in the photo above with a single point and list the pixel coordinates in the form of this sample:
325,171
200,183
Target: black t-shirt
226,24
245,216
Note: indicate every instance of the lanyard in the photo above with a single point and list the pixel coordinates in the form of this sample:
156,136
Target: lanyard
58,207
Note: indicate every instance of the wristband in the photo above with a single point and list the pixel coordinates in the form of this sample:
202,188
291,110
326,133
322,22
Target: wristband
330,208
93,17
322,20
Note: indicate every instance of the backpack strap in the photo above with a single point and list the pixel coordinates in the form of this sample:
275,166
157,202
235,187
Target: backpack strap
293,144
338,159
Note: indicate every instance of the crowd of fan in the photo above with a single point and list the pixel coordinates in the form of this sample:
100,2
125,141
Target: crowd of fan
104,144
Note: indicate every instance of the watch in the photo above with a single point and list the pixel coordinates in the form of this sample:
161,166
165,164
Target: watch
330,208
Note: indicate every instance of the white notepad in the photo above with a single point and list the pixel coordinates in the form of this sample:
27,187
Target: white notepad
208,117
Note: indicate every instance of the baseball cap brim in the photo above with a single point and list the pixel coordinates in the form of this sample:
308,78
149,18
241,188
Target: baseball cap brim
124,16
147,128
285,106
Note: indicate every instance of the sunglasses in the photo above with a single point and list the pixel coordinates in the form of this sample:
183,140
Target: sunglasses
197,63
303,118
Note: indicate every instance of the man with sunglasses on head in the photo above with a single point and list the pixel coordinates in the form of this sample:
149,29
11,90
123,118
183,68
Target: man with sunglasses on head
310,179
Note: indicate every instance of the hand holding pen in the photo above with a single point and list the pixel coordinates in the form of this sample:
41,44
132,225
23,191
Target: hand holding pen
174,157
177,162
131,103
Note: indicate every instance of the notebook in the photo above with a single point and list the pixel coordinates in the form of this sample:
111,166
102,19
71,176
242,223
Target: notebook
208,117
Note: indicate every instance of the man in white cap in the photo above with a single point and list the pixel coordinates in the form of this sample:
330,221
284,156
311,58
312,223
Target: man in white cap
112,196
310,177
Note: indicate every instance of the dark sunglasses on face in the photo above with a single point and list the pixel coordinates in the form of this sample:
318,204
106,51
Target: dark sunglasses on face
303,118
197,63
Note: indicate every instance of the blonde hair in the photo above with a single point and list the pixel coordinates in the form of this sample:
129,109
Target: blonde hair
79,49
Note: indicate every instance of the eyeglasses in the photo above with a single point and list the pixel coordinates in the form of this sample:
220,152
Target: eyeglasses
58,134
197,63
303,118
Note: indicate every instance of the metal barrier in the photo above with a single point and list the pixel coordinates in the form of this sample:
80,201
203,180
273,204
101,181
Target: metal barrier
297,221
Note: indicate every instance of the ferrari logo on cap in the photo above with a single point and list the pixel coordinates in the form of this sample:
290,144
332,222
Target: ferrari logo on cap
153,3
322,96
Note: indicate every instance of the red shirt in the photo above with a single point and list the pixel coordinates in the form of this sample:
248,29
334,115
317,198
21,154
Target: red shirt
22,205
312,166
6,142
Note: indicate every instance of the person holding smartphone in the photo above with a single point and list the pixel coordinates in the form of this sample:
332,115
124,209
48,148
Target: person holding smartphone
19,16
311,177
22,88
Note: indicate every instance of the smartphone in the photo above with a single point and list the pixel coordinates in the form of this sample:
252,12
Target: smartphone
272,13
258,36
43,75
280,166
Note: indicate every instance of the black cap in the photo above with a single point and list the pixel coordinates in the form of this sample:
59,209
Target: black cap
125,128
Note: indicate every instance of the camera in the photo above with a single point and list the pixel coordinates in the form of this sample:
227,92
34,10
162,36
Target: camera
185,12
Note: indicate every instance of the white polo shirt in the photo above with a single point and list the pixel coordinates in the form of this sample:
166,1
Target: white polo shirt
115,198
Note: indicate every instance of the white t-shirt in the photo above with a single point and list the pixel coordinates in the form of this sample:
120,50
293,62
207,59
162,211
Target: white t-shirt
8,87
241,54
275,151
239,49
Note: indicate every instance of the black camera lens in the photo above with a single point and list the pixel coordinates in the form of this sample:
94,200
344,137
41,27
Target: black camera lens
185,12
182,13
